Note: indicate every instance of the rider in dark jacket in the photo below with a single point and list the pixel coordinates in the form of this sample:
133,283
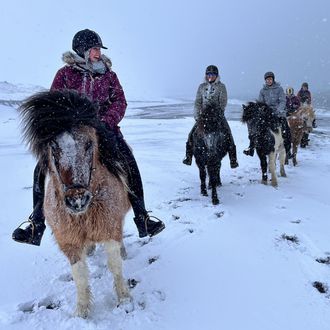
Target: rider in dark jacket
90,73
292,101
305,96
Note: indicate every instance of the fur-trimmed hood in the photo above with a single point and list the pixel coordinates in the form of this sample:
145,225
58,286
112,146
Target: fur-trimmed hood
73,59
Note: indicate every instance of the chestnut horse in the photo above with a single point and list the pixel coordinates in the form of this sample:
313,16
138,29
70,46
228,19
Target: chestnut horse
84,203
300,122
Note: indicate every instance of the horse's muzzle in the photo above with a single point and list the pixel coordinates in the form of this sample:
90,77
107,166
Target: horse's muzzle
77,200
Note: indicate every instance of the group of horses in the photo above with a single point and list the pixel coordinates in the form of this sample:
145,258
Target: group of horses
86,204
210,146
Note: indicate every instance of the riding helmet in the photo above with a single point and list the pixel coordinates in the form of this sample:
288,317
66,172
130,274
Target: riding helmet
290,91
305,84
269,74
84,40
212,69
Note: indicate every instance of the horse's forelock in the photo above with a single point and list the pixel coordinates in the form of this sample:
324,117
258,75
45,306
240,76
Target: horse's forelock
45,115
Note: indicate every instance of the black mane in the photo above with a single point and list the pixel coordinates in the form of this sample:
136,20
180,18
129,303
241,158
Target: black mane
45,115
48,114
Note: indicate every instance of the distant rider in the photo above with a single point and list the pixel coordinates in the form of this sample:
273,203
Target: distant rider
212,92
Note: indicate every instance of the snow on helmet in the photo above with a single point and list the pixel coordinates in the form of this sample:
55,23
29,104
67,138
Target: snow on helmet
212,69
269,74
290,90
84,40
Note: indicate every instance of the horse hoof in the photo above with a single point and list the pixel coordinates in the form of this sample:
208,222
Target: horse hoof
204,193
215,201
264,182
274,184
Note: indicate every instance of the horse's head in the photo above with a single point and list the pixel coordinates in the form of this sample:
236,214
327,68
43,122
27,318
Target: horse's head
257,115
308,116
209,120
71,158
58,127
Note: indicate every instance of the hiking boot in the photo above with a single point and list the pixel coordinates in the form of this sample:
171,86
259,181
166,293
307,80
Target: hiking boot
187,160
248,151
32,234
233,164
146,226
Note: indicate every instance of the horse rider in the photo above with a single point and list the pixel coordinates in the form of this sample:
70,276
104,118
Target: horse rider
305,96
292,101
89,73
273,95
212,92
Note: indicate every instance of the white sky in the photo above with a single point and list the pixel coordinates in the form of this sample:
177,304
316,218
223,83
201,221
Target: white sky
161,48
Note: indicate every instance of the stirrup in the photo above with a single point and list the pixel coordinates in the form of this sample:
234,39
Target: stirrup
29,234
158,222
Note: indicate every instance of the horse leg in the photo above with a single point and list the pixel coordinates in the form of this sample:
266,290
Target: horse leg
213,173
263,165
272,168
113,249
80,277
218,179
283,154
202,176
294,152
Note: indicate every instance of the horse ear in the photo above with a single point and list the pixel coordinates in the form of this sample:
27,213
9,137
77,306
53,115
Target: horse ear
244,106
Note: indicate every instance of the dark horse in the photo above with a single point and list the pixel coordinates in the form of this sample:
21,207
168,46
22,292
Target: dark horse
210,145
265,134
84,203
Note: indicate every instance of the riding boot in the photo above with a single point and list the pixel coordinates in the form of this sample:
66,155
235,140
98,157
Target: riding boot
250,150
233,157
144,224
286,134
189,147
32,234
304,141
189,154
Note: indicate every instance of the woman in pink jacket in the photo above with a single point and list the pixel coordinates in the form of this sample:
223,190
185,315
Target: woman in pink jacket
89,72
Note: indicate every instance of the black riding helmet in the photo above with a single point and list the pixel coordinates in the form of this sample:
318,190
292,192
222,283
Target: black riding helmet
212,69
84,40
269,74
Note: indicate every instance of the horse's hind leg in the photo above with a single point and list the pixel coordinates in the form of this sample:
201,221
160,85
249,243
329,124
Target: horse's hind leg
80,277
113,249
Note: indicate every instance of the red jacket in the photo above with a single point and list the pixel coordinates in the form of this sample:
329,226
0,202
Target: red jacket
104,89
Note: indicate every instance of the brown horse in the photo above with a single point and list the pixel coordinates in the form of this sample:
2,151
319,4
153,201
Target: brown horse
84,203
300,122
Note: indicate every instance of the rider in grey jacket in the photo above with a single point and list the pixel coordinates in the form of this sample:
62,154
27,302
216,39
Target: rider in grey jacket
212,92
273,95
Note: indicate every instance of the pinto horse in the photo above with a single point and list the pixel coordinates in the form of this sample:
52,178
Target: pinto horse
265,132
84,203
210,145
300,122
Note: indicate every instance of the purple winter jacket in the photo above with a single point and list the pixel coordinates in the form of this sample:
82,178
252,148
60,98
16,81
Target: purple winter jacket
105,89
292,104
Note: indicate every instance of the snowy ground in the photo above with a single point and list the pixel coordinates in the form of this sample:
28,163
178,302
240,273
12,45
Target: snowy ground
249,263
